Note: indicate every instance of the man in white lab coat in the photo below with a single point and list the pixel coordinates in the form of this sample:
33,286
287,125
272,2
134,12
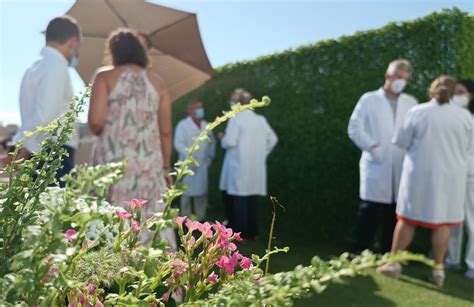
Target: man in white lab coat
46,89
248,140
186,132
376,117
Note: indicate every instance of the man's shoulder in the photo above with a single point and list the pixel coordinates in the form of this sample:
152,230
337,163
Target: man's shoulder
409,99
181,123
371,96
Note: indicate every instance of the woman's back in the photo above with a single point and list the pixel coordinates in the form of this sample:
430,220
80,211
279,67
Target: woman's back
131,132
443,132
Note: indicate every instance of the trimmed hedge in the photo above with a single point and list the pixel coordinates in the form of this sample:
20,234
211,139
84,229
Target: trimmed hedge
314,168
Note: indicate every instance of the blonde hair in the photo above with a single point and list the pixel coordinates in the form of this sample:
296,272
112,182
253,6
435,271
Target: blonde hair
442,89
398,64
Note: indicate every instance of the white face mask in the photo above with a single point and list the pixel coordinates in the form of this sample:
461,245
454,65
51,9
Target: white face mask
461,100
398,85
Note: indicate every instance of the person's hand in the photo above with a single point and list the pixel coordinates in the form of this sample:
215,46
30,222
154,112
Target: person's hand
220,135
168,178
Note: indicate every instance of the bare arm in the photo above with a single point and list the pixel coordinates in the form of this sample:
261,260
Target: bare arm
164,123
98,108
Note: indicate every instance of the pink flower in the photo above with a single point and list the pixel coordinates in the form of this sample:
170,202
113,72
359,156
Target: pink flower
227,264
237,255
179,267
137,203
180,220
218,226
246,263
205,229
122,214
228,245
191,242
192,225
91,287
212,278
135,225
166,296
237,237
53,271
70,234
99,304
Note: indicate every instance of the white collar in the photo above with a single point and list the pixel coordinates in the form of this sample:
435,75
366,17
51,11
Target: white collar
54,53
193,124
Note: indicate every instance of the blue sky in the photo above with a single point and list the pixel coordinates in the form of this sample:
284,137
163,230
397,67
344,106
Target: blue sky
232,30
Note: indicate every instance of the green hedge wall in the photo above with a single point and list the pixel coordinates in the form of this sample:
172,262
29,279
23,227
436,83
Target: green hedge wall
314,88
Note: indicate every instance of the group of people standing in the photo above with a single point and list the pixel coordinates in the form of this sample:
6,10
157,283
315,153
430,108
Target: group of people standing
416,168
248,140
130,113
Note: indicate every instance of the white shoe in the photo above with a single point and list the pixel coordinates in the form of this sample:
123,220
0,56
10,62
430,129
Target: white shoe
393,270
438,277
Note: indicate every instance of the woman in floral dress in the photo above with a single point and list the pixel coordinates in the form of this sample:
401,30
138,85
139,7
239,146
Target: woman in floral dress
130,112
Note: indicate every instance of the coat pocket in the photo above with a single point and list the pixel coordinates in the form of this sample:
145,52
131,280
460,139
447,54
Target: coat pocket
376,155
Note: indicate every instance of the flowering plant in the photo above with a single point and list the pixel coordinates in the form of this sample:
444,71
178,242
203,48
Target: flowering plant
69,246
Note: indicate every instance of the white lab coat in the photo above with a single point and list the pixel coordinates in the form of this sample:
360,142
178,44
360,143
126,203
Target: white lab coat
373,123
439,140
470,169
248,141
185,134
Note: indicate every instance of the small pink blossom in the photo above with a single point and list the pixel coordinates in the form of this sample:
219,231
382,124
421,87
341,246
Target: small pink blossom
179,267
53,271
70,234
135,225
218,226
237,255
227,264
246,263
237,237
180,220
137,203
191,242
166,296
232,247
122,214
227,233
91,287
212,278
99,304
191,225
205,229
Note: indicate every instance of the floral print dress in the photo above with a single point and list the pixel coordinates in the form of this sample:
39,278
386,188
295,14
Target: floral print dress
131,132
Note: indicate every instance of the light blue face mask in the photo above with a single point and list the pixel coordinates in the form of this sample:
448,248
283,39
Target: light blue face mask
74,62
232,104
200,113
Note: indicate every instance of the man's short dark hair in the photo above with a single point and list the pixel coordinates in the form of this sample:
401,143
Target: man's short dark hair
61,29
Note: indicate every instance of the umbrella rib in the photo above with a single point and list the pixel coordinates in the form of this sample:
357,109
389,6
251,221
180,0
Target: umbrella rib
112,8
170,25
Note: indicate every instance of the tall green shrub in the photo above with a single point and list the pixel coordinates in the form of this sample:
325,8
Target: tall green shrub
314,88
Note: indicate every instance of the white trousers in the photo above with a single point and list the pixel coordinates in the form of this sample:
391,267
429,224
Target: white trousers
198,202
455,242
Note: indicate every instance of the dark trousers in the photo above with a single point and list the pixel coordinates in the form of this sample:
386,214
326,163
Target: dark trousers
229,211
370,216
245,215
67,164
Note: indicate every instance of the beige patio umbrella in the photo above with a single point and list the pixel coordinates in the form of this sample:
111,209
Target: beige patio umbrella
177,53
